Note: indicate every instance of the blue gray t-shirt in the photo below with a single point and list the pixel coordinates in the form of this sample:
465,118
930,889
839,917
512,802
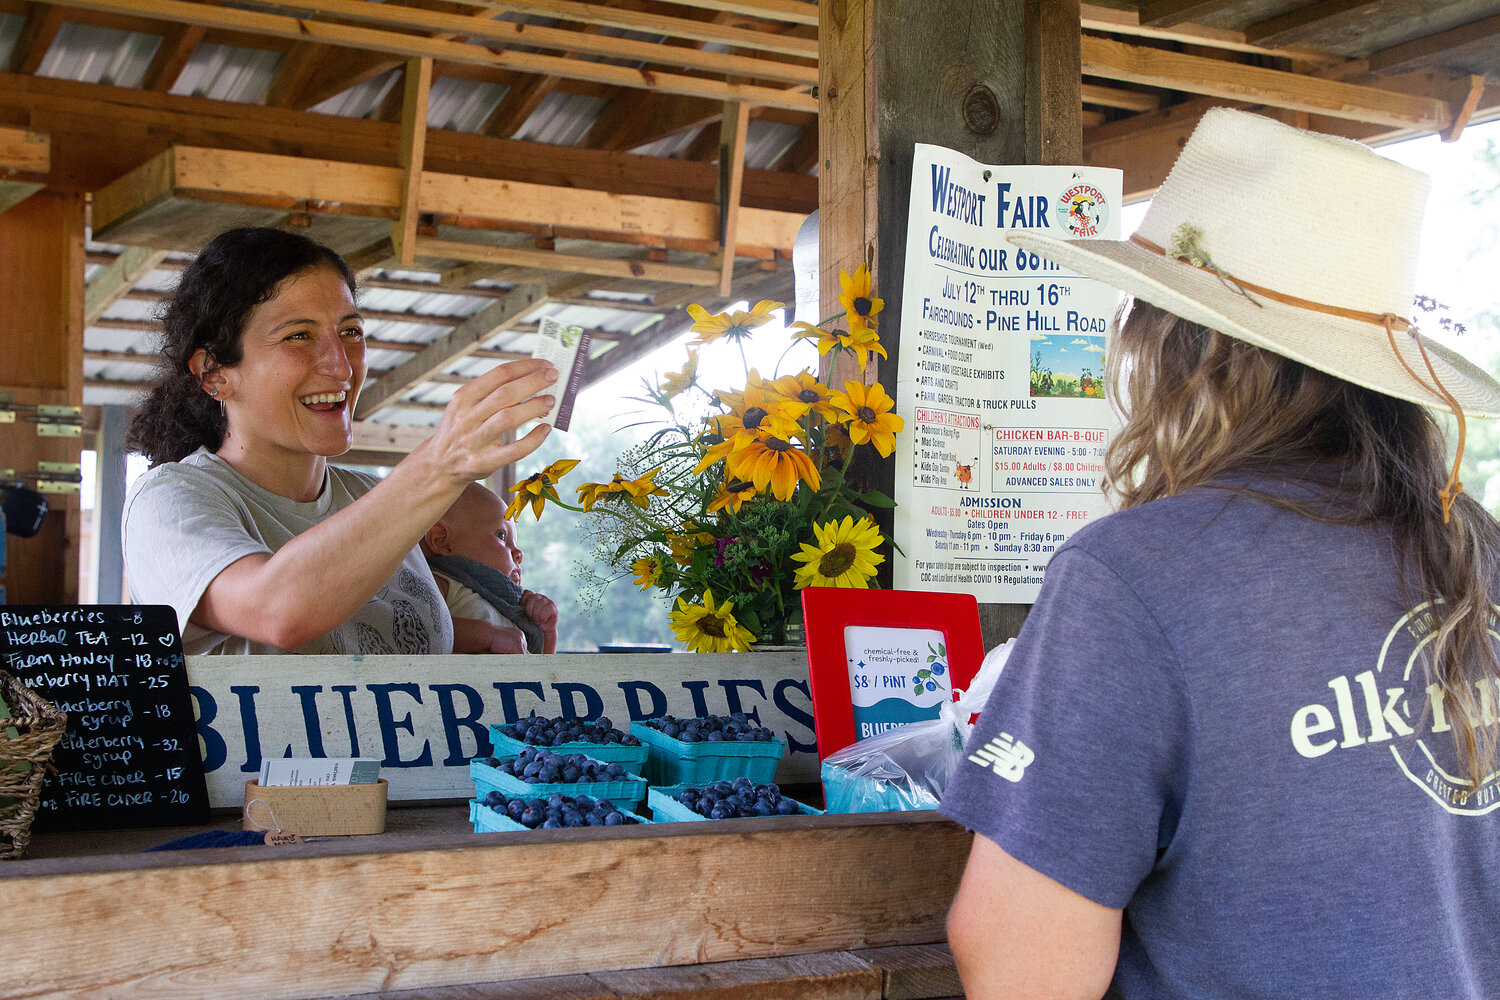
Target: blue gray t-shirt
1217,718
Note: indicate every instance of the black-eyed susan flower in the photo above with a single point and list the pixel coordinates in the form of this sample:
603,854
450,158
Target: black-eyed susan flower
732,495
858,299
709,629
807,390
845,555
860,342
684,543
773,464
757,410
647,570
675,383
867,416
591,493
735,325
539,488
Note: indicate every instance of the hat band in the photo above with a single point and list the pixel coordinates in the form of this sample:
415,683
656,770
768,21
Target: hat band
1390,321
1397,322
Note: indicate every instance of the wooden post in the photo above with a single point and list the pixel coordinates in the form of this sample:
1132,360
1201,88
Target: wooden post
41,340
418,85
997,80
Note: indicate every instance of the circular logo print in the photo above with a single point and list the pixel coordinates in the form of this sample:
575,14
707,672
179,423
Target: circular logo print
1082,211
1427,754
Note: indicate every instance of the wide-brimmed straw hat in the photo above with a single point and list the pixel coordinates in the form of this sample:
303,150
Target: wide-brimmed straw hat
1300,243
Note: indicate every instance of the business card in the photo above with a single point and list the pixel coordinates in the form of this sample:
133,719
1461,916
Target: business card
567,347
284,771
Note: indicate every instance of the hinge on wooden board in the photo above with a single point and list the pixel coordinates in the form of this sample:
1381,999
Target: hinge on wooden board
57,477
58,421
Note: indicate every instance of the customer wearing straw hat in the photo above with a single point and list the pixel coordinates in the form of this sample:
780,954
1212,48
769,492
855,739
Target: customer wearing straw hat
1244,746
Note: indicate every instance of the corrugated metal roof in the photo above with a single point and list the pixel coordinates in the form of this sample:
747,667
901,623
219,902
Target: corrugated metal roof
361,100
561,119
766,141
89,54
227,73
462,105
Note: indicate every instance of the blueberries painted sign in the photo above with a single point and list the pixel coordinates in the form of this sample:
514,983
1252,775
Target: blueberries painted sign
426,718
127,759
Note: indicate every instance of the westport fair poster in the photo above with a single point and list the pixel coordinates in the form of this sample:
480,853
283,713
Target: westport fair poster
1000,374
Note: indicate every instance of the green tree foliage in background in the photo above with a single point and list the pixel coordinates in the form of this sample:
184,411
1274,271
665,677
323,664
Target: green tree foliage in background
559,560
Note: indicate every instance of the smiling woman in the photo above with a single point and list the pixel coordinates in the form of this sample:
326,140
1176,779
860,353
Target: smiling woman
241,525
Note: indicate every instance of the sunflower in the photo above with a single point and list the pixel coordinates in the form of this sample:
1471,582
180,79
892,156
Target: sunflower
647,570
804,388
732,495
845,555
860,342
674,383
858,299
734,325
868,416
706,629
643,488
538,488
773,462
757,410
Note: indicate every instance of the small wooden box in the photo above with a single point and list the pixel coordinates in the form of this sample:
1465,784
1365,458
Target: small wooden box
316,810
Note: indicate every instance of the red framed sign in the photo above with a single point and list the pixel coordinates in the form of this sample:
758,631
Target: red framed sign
878,659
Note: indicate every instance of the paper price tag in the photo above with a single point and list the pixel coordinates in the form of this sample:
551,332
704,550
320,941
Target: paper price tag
281,838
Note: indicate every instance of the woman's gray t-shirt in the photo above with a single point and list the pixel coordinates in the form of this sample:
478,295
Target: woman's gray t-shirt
186,521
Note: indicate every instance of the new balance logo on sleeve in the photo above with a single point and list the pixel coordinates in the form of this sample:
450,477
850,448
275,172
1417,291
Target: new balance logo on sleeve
1006,755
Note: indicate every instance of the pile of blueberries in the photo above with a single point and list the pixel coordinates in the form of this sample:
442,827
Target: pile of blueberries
542,732
543,767
557,811
736,799
712,729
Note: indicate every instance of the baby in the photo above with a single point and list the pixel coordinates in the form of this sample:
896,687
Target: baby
473,554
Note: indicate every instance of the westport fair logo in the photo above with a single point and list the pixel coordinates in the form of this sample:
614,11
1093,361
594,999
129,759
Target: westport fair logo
1082,211
1394,704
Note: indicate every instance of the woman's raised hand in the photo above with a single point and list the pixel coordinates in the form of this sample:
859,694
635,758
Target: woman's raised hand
469,441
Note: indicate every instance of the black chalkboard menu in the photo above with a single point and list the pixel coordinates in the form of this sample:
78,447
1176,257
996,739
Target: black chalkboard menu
130,757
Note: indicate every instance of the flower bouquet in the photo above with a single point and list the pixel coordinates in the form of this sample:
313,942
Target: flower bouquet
730,514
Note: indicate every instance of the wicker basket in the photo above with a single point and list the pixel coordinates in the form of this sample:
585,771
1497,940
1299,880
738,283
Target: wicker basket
25,759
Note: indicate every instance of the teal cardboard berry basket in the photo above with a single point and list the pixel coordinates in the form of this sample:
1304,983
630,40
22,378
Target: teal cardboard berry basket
847,792
487,820
634,758
674,762
624,793
666,809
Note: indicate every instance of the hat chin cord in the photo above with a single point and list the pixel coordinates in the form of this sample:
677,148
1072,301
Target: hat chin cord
1390,321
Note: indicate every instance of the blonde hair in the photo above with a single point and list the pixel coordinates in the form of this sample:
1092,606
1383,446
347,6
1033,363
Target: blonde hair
1202,406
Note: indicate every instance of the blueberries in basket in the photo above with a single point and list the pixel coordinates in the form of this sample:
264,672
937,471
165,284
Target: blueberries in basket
735,800
535,765
558,811
545,732
737,727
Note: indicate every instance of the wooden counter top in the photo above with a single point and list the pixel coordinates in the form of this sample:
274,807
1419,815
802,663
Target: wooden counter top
430,904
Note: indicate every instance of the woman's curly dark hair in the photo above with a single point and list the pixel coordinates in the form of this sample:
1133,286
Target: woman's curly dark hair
237,271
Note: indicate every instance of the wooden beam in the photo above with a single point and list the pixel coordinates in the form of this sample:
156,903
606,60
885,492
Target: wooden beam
397,438
791,11
407,46
1054,133
25,161
802,155
1115,97
588,42
111,284
99,133
1466,95
1453,46
548,260
331,71
1275,88
1109,20
417,87
1311,20
172,55
674,27
464,339
1168,13
732,133
36,38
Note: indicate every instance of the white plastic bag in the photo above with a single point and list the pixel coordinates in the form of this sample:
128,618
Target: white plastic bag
909,767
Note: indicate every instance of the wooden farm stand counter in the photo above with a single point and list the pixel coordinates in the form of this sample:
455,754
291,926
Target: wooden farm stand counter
784,907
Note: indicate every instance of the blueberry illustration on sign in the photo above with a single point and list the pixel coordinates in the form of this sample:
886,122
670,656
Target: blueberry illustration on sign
928,676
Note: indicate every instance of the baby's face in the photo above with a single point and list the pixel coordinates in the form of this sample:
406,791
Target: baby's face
485,536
